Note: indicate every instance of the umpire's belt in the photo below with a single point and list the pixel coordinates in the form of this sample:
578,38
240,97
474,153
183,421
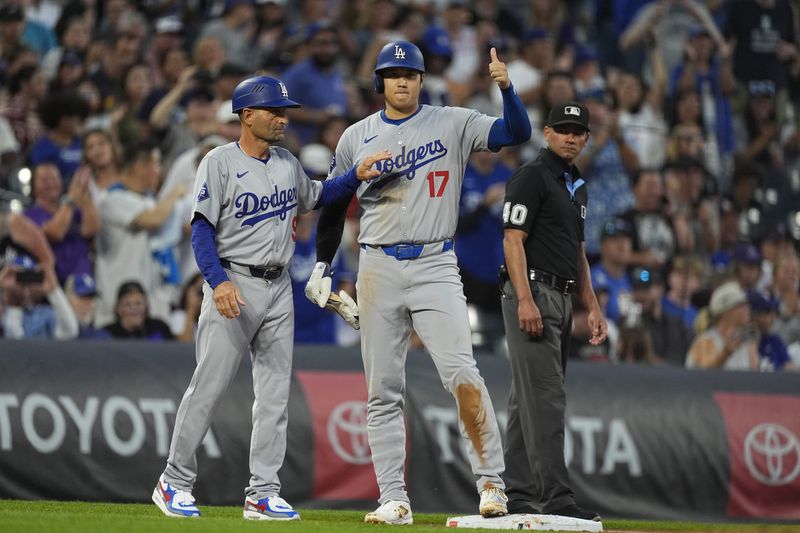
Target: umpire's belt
562,285
401,252
249,270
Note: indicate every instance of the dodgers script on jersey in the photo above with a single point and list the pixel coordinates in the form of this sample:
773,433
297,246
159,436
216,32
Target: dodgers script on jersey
250,202
419,188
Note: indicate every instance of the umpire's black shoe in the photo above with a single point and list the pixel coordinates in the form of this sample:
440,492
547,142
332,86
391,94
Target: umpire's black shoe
574,511
520,507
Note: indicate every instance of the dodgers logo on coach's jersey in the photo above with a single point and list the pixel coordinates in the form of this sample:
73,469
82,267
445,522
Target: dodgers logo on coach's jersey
409,160
277,204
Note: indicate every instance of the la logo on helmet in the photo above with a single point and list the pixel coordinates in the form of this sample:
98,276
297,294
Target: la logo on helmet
284,92
399,53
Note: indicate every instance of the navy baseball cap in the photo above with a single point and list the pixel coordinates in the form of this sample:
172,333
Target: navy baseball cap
746,253
759,303
569,113
437,42
535,34
82,285
614,228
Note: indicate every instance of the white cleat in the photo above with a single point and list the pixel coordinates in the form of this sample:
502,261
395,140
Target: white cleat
270,508
393,512
493,502
174,502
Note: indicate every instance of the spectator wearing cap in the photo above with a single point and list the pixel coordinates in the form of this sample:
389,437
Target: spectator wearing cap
69,73
554,16
685,277
776,243
438,53
785,289
652,238
35,305
73,36
746,265
167,35
729,235
82,295
669,335
586,68
235,30
728,344
772,351
133,320
316,83
612,269
610,162
70,222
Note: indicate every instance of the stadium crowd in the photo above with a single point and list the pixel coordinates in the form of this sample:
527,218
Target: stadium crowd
693,164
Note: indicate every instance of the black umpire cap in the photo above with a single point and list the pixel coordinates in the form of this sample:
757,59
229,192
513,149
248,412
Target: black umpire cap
569,113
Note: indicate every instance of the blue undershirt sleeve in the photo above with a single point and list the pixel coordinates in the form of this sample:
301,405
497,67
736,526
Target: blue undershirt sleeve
338,188
205,251
515,127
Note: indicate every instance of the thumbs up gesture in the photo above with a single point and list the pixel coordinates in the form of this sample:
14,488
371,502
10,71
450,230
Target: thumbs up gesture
498,70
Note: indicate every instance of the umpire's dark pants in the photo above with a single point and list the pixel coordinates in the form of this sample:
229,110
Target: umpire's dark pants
536,474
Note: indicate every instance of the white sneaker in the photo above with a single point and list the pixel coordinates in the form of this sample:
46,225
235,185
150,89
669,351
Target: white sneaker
270,508
174,502
392,512
493,502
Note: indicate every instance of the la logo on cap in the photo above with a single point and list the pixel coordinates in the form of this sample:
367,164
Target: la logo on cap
572,110
284,92
399,53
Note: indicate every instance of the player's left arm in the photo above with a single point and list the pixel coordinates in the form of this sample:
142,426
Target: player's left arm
515,126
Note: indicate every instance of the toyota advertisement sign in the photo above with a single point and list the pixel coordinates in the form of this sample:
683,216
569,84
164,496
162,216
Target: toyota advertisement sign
659,443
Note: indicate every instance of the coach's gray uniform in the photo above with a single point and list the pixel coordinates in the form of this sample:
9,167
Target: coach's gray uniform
252,205
415,202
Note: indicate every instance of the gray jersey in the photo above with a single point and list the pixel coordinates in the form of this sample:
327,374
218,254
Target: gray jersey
252,203
415,200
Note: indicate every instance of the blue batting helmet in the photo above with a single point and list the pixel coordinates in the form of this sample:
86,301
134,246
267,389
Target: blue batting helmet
261,91
397,54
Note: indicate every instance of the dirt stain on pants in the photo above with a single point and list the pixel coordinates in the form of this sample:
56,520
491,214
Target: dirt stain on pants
472,412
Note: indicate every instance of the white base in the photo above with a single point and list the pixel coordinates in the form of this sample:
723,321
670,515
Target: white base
541,522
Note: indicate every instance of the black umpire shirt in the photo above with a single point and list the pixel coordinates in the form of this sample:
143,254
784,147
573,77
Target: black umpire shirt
539,203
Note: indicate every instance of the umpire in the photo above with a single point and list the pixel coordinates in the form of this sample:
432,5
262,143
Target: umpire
545,262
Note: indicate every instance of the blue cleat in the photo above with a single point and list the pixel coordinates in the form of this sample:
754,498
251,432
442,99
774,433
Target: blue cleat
270,508
174,502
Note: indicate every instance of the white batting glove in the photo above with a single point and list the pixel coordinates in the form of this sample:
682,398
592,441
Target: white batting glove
318,287
346,307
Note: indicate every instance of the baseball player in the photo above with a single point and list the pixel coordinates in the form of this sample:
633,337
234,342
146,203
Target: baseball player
408,276
248,195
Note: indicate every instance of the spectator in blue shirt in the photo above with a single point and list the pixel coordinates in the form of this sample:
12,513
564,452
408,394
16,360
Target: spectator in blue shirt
479,236
772,351
612,269
316,83
82,295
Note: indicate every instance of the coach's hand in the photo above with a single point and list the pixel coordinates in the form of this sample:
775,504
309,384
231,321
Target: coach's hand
318,288
228,298
364,170
598,326
498,70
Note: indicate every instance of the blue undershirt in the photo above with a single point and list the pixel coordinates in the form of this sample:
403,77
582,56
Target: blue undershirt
515,127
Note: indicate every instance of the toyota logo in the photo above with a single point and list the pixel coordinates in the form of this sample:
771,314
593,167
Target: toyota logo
772,454
347,432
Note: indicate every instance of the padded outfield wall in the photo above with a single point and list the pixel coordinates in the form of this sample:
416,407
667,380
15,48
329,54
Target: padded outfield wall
92,421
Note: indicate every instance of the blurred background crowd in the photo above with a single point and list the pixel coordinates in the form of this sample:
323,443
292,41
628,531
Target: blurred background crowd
693,164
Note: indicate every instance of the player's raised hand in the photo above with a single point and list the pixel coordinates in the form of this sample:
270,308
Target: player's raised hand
227,298
498,70
364,170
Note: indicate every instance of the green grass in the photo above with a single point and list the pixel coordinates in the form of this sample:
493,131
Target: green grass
82,517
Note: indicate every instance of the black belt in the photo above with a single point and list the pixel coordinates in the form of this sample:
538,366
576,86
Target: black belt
562,285
270,273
